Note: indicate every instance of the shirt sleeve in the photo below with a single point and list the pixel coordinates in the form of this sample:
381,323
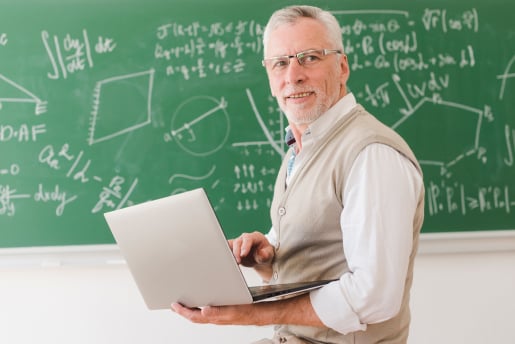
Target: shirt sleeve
271,236
380,198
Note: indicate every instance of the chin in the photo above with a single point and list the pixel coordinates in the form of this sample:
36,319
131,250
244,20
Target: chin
307,118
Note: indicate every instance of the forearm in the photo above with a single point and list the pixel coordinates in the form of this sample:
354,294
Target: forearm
293,311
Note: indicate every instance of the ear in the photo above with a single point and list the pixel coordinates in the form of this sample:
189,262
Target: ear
344,69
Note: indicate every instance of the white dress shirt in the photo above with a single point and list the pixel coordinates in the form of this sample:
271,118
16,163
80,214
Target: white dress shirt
380,198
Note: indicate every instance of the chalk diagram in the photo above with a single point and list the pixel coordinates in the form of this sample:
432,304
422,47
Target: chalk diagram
179,177
454,143
447,132
277,145
121,104
11,92
200,125
444,146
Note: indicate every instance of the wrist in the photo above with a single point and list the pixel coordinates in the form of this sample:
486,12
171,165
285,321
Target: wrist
265,271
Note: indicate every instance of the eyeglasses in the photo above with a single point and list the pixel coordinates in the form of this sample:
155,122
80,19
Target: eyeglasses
305,58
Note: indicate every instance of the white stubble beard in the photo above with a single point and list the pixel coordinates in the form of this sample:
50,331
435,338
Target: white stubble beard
305,117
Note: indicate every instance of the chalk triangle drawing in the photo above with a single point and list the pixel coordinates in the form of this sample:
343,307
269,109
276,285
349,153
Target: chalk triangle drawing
11,92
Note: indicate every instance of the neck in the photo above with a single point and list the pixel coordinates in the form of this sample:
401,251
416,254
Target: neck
298,130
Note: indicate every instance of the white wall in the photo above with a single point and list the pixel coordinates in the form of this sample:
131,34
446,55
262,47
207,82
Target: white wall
71,295
464,298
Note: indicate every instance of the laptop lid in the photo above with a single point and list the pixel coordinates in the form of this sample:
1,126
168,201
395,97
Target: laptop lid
176,252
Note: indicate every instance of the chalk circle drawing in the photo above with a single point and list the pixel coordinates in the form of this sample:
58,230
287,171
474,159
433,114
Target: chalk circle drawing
200,125
11,92
121,104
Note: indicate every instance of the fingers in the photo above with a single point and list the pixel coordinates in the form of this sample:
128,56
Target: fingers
219,315
194,315
247,243
250,249
206,315
241,246
235,245
264,255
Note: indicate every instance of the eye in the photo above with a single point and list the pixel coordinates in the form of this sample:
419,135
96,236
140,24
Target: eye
310,57
279,63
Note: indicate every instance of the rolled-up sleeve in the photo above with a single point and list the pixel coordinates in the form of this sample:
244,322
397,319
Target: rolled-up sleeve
380,198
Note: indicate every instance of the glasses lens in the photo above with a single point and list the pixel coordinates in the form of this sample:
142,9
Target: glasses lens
279,62
310,57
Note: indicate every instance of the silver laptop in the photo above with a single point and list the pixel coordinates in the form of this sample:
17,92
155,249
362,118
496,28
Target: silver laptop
176,251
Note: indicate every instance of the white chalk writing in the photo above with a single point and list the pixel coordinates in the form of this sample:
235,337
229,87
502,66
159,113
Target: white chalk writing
3,39
71,54
215,49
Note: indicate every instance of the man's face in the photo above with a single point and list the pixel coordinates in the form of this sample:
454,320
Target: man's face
305,92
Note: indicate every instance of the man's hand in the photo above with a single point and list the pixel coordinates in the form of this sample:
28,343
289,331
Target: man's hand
226,315
295,311
254,250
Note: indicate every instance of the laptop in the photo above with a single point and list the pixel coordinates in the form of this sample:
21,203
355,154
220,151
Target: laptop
176,251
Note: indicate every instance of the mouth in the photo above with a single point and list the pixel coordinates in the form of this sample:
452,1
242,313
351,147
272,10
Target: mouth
299,95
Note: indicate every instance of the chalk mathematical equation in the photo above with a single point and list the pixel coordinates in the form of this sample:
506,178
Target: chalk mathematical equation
77,168
214,49
394,44
71,54
253,187
460,199
71,165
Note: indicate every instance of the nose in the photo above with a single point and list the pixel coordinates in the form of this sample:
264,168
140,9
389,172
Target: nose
295,72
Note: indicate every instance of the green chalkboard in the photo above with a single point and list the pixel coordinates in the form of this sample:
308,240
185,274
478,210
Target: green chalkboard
104,104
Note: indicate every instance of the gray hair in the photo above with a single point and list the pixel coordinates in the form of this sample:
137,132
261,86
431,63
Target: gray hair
291,14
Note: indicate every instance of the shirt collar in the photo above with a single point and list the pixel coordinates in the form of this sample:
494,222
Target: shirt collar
325,122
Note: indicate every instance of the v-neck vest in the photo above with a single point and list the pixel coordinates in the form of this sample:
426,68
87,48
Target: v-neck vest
306,218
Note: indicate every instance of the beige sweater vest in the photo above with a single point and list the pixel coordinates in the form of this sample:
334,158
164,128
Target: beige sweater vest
306,218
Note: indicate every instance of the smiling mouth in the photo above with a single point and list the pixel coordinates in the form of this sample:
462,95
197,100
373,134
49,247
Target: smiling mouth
299,95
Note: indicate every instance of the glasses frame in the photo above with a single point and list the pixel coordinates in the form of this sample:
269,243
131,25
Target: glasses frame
300,55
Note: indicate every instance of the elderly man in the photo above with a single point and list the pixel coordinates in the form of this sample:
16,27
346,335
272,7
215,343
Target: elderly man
348,202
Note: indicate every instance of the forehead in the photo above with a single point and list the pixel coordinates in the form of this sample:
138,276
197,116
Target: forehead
305,33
